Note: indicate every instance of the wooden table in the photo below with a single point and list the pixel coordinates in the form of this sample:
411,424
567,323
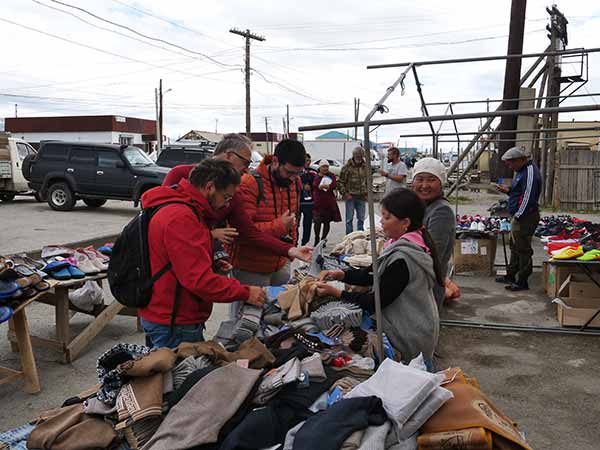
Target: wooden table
71,346
20,329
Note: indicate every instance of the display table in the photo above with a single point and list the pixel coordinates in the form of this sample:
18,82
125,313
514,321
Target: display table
71,346
21,342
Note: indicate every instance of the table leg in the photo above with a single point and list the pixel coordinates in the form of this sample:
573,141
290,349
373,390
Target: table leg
63,331
32,381
13,345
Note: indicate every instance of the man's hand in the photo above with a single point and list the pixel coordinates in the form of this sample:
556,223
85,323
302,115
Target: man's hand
383,173
502,188
224,235
257,296
347,197
324,289
331,275
302,253
289,220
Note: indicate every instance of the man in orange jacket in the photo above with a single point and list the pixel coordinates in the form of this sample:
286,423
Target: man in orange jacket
271,197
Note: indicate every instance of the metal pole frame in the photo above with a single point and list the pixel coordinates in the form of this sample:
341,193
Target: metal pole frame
565,138
500,100
483,133
373,231
424,108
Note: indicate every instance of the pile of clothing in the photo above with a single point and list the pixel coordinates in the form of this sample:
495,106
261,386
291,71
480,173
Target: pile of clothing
22,277
355,248
566,237
285,392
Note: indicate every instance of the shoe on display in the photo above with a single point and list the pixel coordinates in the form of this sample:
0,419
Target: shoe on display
592,255
100,265
102,257
480,226
85,264
473,226
568,253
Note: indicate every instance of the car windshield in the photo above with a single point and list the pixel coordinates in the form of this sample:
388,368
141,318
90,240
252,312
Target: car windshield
137,157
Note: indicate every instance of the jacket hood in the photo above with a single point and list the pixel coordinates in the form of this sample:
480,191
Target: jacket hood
183,192
412,253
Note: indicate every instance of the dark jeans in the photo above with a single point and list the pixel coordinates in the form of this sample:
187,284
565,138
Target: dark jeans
158,335
360,206
307,218
521,264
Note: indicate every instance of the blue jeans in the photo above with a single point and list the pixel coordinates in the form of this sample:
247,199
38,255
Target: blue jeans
359,206
158,335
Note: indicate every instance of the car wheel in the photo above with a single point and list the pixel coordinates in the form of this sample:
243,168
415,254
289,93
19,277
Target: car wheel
7,197
94,202
60,197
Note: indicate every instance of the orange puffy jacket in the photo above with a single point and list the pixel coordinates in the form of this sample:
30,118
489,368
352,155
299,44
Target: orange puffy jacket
266,215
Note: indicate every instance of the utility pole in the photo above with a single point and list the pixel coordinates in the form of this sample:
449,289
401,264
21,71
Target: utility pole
216,125
247,35
158,132
267,134
287,121
16,109
356,109
512,76
160,114
558,41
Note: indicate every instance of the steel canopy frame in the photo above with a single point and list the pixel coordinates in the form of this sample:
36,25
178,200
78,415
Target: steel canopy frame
379,107
483,133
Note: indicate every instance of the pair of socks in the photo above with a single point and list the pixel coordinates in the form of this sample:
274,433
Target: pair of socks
338,313
248,323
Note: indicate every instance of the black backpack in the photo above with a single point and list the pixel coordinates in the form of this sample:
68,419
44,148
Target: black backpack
129,273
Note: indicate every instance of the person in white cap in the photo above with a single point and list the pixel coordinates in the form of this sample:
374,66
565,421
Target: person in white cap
429,176
523,196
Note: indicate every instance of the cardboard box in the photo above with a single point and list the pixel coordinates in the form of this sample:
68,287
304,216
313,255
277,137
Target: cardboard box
555,276
572,310
475,255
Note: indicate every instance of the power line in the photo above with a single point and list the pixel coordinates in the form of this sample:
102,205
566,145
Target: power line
106,52
111,31
145,35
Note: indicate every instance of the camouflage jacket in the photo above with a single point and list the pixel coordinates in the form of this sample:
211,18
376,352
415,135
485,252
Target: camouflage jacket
353,179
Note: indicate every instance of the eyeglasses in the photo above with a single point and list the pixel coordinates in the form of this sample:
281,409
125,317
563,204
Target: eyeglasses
247,162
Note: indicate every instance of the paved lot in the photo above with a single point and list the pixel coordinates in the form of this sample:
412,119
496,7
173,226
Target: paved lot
547,383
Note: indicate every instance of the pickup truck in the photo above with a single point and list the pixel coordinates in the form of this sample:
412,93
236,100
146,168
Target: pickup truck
12,154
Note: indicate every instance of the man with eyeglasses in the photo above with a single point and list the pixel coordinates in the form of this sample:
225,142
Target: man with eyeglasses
178,235
272,200
237,149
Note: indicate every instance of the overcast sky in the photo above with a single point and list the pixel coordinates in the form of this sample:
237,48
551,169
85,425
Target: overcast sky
59,60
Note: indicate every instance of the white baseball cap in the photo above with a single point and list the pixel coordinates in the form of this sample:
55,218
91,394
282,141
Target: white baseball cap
515,153
430,165
322,162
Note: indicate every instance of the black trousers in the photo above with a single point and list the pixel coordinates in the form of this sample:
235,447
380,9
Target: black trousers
307,216
521,252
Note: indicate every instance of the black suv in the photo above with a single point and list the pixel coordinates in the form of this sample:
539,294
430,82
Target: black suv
176,154
64,172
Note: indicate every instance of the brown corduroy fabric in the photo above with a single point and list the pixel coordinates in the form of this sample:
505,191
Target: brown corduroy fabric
71,429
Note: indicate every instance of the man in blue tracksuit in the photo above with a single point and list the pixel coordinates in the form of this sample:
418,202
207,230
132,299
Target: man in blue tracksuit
523,196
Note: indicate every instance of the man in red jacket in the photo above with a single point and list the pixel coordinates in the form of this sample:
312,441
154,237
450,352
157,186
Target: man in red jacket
181,236
237,149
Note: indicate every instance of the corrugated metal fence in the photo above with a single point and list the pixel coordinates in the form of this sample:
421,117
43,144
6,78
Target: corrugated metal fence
579,179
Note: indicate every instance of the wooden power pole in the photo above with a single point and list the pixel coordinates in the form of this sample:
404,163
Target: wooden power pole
247,35
558,41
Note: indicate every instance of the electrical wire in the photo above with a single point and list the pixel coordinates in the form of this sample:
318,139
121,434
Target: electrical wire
106,52
152,38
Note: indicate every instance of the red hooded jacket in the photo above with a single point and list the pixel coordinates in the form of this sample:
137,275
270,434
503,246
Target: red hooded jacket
176,235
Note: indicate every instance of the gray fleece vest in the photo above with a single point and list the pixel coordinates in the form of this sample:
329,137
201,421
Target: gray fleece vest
412,321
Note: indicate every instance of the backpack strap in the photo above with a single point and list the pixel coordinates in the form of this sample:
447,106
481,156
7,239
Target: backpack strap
169,266
261,186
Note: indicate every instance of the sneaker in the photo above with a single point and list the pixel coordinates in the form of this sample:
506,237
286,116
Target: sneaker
480,226
516,287
505,279
473,226
569,253
592,255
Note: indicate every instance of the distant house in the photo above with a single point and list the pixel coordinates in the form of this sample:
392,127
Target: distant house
101,129
201,136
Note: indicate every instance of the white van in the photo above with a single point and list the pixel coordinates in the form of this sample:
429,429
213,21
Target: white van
12,154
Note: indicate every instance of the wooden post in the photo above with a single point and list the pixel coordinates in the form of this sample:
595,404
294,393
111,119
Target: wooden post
30,373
